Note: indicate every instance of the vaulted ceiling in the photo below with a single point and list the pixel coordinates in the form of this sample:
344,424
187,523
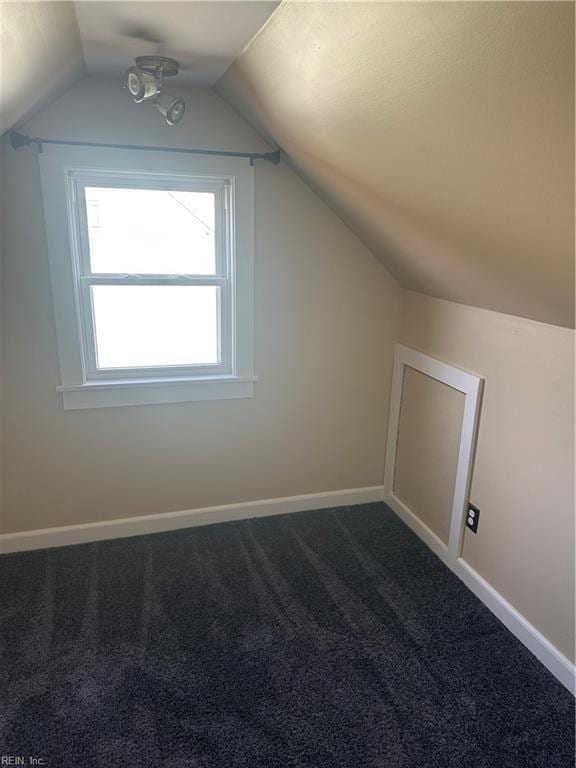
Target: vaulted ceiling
442,133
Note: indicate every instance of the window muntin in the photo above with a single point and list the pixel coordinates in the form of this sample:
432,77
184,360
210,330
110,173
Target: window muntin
144,311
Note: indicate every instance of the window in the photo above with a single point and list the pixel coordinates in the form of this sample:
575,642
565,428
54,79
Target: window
153,277
156,276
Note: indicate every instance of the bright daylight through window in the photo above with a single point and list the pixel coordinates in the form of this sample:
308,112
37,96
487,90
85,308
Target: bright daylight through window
148,311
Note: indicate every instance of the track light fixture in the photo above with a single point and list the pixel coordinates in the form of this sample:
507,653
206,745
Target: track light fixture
144,83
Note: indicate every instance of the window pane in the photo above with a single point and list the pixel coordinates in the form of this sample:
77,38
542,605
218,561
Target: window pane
150,325
151,231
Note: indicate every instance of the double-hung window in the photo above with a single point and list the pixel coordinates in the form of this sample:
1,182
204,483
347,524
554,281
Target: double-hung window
152,278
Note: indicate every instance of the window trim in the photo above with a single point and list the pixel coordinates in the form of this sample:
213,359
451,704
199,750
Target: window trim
82,385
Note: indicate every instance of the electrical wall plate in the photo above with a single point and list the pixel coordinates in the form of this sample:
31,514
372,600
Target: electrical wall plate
472,518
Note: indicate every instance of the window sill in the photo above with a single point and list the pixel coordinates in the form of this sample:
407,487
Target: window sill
113,393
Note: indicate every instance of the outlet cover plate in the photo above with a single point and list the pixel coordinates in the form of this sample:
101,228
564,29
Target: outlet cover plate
472,518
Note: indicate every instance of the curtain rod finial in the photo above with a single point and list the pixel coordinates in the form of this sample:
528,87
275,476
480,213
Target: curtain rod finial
18,140
273,157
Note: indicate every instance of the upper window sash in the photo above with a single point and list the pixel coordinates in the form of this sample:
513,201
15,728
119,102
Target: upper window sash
222,188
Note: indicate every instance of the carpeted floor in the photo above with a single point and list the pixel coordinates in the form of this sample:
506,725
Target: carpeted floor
328,639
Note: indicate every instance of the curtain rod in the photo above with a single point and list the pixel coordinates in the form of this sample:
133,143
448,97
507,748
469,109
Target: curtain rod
18,140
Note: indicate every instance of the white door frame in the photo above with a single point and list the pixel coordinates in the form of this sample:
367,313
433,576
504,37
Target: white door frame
471,386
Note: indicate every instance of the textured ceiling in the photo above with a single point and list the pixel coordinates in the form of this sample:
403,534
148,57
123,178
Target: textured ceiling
205,37
40,56
442,133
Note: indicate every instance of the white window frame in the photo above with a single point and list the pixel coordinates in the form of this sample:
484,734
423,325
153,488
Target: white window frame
222,188
65,172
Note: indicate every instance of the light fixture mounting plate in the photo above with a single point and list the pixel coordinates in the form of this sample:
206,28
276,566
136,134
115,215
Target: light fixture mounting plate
169,67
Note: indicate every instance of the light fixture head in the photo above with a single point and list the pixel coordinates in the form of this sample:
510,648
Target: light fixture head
141,85
172,107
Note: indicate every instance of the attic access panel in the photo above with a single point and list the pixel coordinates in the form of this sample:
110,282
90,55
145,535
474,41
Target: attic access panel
471,386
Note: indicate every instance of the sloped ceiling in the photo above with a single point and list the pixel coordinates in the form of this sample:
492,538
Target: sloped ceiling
40,56
442,133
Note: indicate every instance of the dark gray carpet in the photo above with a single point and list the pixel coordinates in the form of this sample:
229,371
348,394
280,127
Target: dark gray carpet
328,639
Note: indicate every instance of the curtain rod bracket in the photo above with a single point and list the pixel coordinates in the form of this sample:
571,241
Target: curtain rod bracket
18,140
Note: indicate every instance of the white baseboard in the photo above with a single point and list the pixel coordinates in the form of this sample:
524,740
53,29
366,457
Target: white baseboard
170,521
547,653
561,667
